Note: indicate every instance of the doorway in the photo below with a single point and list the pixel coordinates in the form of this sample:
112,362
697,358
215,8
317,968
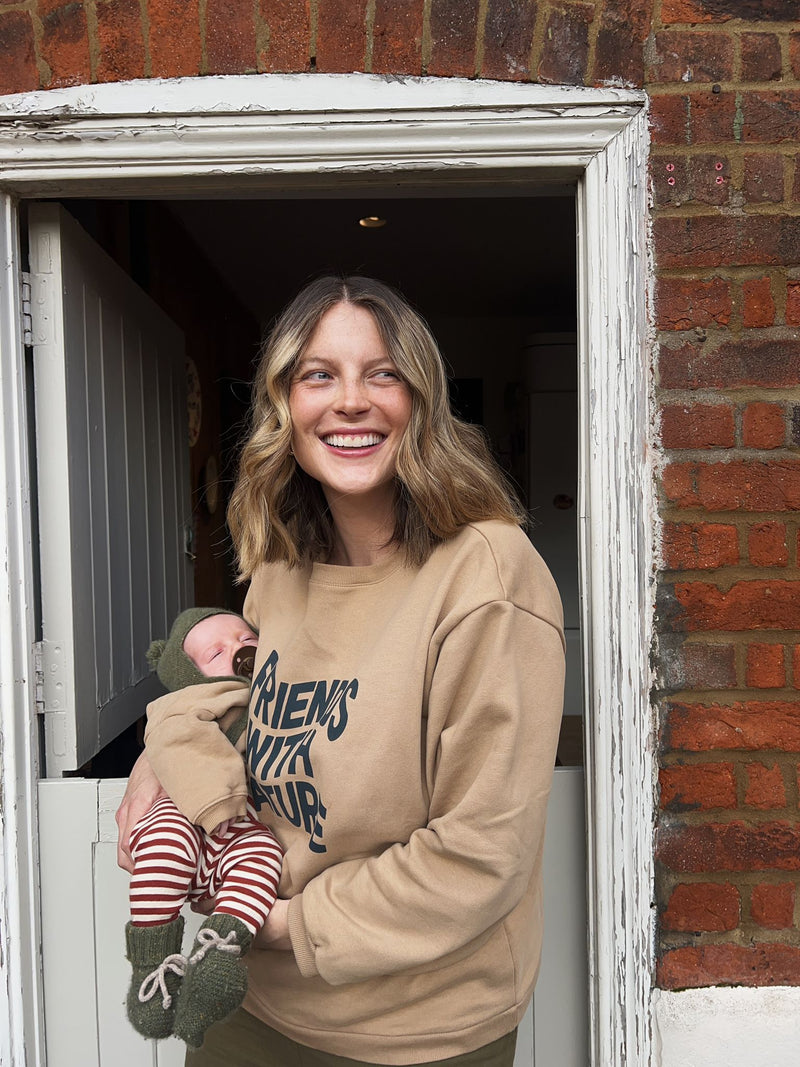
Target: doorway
506,323
253,134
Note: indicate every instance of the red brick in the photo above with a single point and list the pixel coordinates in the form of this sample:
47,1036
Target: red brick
697,665
700,179
764,789
697,787
712,117
693,11
763,179
794,54
765,667
755,726
761,57
341,36
712,241
758,307
690,365
755,605
712,965
507,37
566,45
624,26
702,907
230,38
120,41
733,846
18,71
684,303
678,484
174,38
766,544
772,906
397,37
771,116
699,546
764,425
688,56
793,304
670,119
739,485
289,25
65,45
454,27
796,662
697,426
754,10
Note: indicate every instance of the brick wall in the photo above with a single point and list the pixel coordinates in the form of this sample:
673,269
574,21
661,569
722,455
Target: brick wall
724,82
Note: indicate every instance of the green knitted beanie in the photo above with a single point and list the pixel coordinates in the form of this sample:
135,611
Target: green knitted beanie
168,659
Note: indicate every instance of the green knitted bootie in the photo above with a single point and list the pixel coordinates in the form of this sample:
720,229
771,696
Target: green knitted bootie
216,978
158,969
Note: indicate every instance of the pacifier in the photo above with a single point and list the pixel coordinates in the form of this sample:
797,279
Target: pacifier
244,661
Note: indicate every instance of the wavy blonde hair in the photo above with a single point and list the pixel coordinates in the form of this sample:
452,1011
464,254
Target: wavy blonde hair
445,475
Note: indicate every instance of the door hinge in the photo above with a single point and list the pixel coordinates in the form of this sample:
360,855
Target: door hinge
27,314
48,658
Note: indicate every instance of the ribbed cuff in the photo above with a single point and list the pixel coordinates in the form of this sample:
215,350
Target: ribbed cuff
233,807
303,949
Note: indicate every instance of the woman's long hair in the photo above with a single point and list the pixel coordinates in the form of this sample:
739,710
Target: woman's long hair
445,475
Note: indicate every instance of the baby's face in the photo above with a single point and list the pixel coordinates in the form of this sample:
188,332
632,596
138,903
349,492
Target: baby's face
212,642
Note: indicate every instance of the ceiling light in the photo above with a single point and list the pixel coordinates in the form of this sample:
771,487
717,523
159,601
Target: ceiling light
372,222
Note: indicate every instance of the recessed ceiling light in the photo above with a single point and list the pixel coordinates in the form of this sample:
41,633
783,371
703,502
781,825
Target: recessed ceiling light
372,222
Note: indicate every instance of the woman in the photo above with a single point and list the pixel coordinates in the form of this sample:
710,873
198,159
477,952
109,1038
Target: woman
405,704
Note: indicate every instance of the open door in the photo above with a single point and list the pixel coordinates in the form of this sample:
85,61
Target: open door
113,505
113,486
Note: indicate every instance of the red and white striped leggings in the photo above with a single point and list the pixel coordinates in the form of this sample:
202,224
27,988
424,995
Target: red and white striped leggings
175,861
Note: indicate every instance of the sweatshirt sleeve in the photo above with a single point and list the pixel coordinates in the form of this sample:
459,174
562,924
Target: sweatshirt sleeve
494,710
201,770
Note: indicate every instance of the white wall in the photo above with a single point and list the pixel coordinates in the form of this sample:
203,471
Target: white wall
733,1027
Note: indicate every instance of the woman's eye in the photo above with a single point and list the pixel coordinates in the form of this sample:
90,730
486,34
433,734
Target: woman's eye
317,376
389,375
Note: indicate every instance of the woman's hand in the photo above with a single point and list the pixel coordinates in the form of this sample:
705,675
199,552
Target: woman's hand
274,933
144,789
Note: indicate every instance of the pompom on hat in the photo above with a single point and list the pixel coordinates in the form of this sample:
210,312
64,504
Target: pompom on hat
168,659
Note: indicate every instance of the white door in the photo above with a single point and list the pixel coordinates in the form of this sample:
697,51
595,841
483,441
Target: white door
113,485
113,503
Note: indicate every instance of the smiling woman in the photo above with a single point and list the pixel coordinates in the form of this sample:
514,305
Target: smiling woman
405,704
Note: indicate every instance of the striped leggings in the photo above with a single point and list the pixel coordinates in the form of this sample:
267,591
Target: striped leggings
175,861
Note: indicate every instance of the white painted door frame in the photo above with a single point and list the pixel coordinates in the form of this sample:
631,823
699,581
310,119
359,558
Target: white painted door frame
253,135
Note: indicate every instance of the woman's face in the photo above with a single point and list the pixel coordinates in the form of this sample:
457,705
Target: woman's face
349,407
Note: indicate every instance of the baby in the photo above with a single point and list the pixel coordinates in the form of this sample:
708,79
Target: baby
202,841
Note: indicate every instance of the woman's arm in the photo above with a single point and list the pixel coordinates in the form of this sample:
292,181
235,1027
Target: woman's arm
143,790
493,711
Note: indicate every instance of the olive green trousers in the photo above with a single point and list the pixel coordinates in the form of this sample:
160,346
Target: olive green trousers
244,1041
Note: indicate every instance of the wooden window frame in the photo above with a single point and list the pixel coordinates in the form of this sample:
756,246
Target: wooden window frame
249,134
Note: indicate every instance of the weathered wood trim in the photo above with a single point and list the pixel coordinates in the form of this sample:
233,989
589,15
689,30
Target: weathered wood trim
618,520
267,133
21,1007
253,132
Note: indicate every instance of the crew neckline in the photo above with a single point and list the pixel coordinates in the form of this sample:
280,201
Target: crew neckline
338,574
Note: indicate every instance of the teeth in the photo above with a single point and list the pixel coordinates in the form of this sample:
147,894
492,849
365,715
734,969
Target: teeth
364,440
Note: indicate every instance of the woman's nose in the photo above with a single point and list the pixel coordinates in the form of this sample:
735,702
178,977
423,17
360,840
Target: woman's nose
352,397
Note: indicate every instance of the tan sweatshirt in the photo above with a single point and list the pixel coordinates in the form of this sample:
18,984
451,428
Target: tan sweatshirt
403,727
